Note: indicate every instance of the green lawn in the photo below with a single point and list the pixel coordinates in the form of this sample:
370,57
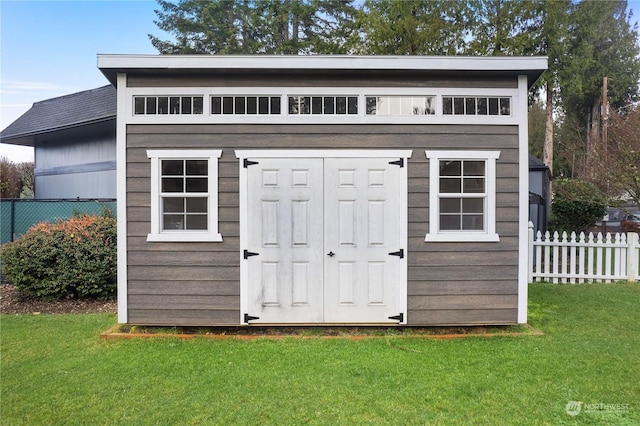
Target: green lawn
56,370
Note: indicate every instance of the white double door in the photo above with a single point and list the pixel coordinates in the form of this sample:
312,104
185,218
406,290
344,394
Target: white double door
325,240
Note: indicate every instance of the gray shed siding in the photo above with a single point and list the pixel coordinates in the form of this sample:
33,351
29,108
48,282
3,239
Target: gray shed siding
199,283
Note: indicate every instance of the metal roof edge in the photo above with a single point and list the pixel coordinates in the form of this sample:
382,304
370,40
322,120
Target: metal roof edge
110,64
443,63
12,139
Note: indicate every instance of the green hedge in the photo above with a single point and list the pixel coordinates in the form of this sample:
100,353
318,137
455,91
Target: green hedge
577,205
74,258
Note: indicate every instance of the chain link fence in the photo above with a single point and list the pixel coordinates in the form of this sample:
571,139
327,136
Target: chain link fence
17,215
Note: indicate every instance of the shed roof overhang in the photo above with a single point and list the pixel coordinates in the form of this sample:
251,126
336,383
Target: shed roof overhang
495,66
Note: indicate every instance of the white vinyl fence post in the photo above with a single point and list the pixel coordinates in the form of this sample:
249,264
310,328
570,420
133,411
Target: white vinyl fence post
530,266
632,256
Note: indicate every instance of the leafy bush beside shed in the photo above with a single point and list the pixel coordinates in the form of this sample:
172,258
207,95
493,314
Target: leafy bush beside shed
74,258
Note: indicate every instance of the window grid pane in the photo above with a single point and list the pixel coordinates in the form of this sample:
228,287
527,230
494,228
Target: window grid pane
152,105
323,105
400,105
462,195
476,105
181,208
245,105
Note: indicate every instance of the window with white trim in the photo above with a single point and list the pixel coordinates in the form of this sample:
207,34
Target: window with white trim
462,195
184,195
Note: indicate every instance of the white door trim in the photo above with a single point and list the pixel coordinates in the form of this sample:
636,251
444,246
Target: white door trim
322,153
303,153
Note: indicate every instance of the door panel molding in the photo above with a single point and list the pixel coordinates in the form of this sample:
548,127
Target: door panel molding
303,274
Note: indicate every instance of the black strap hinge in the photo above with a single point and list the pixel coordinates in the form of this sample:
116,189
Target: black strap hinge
399,162
246,163
248,254
399,317
248,318
399,253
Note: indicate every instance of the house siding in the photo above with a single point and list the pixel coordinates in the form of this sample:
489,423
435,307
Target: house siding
199,283
73,166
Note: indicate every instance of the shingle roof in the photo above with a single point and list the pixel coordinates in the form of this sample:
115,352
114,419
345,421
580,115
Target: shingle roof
64,112
536,164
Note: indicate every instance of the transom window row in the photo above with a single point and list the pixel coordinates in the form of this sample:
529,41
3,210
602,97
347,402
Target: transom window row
391,105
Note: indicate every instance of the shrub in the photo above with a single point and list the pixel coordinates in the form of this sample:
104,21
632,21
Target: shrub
577,204
73,258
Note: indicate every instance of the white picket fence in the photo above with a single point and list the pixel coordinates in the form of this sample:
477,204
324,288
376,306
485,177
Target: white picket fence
583,258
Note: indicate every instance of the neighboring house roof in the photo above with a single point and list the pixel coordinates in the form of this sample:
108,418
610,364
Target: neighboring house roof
62,113
536,164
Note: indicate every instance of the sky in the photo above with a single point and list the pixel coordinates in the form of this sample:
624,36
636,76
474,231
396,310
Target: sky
49,49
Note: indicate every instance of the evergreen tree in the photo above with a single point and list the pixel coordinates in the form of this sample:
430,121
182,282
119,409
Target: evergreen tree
503,27
421,27
254,26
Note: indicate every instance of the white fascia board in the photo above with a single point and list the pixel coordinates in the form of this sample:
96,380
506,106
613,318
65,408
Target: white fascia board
331,62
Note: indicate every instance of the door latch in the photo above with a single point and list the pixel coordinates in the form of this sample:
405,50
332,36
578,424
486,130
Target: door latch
331,254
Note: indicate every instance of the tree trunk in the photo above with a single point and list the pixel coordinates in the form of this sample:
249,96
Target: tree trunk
548,134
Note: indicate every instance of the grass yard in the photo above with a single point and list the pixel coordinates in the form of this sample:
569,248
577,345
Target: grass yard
56,370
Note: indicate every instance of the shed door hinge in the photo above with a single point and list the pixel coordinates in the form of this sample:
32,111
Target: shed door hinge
246,163
399,253
399,162
248,318
399,317
247,254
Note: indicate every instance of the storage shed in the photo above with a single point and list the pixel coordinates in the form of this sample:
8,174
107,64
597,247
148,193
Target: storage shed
292,190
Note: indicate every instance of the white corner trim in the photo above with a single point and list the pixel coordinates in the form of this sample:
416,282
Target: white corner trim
121,193
523,199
